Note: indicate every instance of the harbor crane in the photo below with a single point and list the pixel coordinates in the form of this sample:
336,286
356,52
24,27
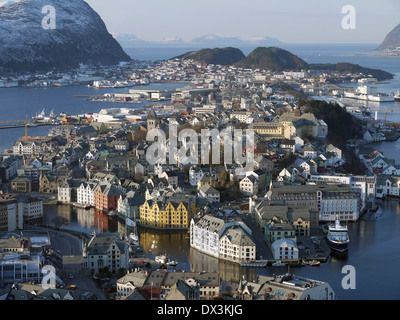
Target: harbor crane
16,124
386,112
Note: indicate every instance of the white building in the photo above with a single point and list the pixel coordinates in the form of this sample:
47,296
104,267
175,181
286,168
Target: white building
130,282
105,250
284,249
249,185
26,148
210,193
31,208
85,193
195,175
229,240
388,185
64,192
18,268
236,245
338,202
285,287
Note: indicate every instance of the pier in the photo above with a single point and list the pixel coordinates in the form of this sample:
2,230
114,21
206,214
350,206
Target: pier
12,124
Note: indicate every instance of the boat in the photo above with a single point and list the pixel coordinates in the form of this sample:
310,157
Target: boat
338,237
112,213
39,116
172,263
397,96
314,263
81,205
254,264
161,259
278,264
133,237
130,223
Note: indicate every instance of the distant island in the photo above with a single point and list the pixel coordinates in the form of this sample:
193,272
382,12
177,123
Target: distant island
224,56
276,60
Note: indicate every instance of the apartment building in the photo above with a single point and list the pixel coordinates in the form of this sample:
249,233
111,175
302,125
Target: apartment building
105,250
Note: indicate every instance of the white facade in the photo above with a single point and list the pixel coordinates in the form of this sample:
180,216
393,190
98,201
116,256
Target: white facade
85,193
27,148
345,207
221,239
195,174
235,245
249,186
31,209
284,249
104,250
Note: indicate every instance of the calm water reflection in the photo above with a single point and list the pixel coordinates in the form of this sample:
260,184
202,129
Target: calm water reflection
373,251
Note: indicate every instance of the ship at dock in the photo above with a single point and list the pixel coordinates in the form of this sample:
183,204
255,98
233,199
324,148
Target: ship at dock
367,93
397,96
338,237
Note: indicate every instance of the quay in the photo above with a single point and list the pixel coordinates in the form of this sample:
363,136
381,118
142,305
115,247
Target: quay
30,125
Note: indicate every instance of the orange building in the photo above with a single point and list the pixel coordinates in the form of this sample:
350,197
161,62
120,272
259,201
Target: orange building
106,197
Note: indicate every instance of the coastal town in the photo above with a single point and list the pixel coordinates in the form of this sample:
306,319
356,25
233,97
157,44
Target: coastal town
309,177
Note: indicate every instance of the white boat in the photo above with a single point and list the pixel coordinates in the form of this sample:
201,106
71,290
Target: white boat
112,213
39,116
278,264
130,222
338,237
162,259
133,237
83,206
397,96
172,263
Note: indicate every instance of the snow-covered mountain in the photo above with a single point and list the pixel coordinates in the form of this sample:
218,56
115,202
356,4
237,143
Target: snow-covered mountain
79,36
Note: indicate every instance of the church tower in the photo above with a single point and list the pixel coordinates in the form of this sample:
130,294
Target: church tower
152,120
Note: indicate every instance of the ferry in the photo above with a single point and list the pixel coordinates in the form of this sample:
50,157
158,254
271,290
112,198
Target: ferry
39,116
338,237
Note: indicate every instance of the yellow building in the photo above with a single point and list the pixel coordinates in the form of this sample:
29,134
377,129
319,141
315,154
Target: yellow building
268,130
166,215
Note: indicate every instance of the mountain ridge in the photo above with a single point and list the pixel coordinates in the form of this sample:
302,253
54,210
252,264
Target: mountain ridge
276,60
392,39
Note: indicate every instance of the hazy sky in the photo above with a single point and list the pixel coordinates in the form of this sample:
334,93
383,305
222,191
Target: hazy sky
291,21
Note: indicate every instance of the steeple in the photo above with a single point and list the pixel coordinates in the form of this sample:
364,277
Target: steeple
152,120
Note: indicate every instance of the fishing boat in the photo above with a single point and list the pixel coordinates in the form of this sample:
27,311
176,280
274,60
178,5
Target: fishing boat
314,263
338,237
